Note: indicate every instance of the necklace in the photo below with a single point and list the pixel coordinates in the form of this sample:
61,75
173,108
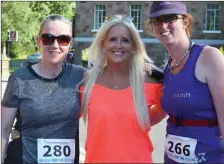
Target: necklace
178,63
115,87
47,87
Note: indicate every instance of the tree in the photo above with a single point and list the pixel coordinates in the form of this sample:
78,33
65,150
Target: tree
222,50
42,9
18,16
25,17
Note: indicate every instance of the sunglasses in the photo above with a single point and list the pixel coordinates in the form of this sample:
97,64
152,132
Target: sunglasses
48,39
165,18
128,19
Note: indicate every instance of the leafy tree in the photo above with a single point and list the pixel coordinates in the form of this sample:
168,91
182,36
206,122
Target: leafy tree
18,16
25,17
222,50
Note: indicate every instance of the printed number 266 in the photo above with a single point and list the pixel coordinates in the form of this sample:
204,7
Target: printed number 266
177,148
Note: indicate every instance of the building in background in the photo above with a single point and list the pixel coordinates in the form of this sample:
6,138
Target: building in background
208,27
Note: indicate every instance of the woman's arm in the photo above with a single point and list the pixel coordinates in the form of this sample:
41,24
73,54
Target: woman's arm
212,62
156,114
8,117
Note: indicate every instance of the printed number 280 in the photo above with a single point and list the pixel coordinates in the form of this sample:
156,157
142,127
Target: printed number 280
178,150
57,151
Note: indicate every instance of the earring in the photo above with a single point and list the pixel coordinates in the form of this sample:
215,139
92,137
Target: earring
132,52
103,50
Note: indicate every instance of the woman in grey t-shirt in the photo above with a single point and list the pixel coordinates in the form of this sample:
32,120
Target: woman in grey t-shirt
46,96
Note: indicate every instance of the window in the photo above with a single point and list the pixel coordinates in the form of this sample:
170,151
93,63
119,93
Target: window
99,15
212,17
135,13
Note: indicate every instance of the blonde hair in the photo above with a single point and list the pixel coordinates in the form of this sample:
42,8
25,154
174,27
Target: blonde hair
97,62
55,17
188,22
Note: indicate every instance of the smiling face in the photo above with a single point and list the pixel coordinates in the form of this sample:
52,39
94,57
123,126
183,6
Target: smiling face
54,53
118,44
169,32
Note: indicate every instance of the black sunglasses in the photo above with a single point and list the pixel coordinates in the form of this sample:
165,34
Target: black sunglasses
48,39
165,18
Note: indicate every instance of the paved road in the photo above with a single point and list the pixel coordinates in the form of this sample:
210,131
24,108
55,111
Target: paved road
157,134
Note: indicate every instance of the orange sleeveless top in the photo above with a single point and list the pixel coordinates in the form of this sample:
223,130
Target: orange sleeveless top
113,133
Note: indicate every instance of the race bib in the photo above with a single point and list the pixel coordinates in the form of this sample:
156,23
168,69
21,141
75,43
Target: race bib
55,150
181,149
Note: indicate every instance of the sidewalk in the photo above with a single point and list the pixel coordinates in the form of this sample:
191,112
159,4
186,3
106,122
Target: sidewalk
4,77
4,80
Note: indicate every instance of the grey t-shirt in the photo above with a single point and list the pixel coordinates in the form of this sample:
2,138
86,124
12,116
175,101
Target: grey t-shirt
43,114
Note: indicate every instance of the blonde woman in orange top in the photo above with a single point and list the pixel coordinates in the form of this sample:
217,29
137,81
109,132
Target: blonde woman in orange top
119,101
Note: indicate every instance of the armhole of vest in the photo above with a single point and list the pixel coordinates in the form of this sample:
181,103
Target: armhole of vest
201,47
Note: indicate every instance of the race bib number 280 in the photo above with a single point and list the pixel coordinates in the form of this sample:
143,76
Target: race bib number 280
55,150
181,149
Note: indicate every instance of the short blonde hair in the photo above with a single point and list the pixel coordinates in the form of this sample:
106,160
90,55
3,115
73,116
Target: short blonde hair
55,17
97,62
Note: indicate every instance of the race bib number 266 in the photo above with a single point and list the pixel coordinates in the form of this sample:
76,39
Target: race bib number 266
181,149
56,150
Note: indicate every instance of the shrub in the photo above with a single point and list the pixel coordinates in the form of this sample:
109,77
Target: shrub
222,50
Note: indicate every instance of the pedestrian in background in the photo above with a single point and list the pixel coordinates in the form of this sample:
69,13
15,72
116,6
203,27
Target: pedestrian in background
193,90
46,96
120,102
